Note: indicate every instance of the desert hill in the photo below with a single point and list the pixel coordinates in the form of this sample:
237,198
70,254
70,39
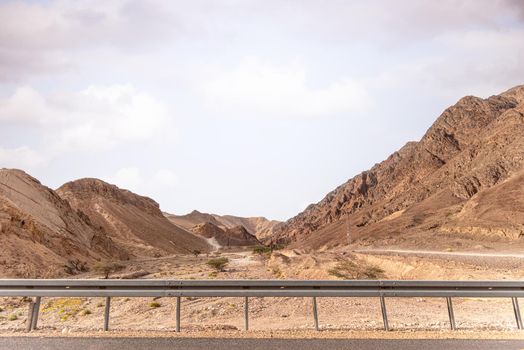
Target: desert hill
464,177
42,235
257,226
133,222
228,237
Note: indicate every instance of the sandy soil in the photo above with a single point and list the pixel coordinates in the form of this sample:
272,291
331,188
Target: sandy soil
283,314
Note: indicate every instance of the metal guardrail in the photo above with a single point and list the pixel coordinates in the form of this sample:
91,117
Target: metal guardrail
259,288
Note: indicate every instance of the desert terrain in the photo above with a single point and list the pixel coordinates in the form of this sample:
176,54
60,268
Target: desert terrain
274,314
448,207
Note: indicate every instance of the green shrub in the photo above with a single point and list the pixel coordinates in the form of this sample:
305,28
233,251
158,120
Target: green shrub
12,317
85,312
154,304
218,263
261,250
349,270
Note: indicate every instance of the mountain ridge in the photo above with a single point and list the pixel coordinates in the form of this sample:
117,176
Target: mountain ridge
472,146
135,222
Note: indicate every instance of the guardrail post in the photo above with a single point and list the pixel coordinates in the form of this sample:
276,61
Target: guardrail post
246,313
106,313
36,309
30,316
178,314
315,312
451,314
384,313
516,310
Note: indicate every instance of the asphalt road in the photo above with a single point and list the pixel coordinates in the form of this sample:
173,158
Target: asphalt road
22,343
439,253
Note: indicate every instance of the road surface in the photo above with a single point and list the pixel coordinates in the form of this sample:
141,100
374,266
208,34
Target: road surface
439,253
23,343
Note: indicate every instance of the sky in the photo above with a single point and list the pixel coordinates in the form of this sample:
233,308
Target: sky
242,107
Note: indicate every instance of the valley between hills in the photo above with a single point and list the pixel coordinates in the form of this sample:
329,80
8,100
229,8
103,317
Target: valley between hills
450,206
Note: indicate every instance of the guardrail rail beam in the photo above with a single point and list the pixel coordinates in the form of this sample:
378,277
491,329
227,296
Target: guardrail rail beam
109,288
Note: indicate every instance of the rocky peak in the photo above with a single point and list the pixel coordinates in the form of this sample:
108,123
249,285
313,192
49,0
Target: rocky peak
89,188
516,93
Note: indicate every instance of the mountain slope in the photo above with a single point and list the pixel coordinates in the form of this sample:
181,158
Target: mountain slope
134,222
229,237
41,235
257,226
426,185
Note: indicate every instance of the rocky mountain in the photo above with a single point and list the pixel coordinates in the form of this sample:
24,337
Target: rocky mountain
228,237
464,177
42,235
257,226
135,223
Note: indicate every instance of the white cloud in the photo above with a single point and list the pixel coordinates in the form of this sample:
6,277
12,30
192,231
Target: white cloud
20,157
474,62
259,89
144,183
164,178
40,37
97,118
128,178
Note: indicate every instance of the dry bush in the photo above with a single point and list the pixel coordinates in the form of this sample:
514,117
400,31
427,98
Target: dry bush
107,267
218,264
348,270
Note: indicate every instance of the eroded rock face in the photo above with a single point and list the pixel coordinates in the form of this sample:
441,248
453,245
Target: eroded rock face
226,237
41,235
473,146
135,223
258,226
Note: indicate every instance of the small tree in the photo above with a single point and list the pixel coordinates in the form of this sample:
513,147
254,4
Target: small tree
196,253
218,264
107,267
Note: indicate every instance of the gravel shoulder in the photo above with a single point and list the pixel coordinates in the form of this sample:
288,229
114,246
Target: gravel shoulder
287,334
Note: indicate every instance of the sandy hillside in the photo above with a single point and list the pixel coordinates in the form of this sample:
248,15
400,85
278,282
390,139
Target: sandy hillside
41,235
134,222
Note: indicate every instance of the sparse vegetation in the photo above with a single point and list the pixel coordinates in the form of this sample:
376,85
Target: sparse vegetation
277,272
218,264
74,266
267,250
348,270
12,317
262,251
85,312
107,267
154,304
65,307
196,253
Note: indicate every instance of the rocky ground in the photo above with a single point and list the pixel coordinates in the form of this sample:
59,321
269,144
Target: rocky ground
286,314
